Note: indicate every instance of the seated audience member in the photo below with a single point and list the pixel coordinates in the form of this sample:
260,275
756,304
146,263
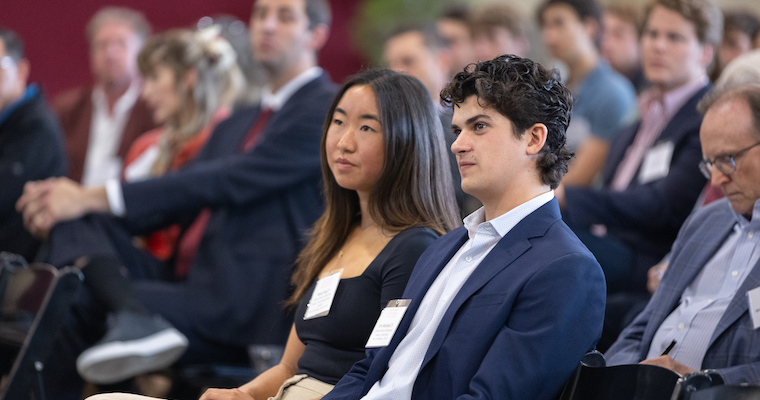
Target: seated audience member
191,81
705,302
498,29
650,179
505,306
31,143
421,53
620,44
101,121
454,27
261,183
739,27
379,218
604,101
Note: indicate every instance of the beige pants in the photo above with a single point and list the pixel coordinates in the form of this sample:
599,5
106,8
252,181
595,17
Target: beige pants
299,387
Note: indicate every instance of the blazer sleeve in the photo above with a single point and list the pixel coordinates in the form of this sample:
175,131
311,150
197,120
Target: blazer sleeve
350,386
555,320
651,207
627,347
288,155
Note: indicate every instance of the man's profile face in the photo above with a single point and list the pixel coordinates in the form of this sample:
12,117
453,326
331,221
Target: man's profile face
280,33
620,43
735,43
407,53
727,128
11,83
457,35
495,41
671,52
489,156
563,32
113,53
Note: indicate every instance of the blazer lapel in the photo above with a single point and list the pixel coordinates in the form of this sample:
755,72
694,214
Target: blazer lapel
688,267
420,281
507,250
739,304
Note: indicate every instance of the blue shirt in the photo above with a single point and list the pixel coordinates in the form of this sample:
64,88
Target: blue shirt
604,103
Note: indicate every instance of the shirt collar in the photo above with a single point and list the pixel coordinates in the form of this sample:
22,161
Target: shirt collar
742,220
674,99
29,92
275,101
124,103
505,222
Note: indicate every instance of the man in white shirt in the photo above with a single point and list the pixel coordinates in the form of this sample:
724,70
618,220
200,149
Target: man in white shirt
705,304
101,121
506,306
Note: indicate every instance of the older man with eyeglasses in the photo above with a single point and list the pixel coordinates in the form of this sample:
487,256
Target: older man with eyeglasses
707,307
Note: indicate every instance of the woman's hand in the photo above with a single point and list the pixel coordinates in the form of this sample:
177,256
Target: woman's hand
225,394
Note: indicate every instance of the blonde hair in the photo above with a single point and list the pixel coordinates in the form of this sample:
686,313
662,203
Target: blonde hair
219,82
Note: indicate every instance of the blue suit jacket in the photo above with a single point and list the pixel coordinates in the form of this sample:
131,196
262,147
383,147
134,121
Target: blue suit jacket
262,204
646,217
516,329
734,348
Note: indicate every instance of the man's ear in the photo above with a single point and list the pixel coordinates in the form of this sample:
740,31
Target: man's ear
535,138
23,69
319,36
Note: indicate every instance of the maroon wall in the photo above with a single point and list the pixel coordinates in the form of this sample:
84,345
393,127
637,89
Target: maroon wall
53,32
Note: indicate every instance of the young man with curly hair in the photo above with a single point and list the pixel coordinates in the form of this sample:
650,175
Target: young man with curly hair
507,305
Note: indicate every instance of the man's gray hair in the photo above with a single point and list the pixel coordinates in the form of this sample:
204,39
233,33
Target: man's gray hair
132,17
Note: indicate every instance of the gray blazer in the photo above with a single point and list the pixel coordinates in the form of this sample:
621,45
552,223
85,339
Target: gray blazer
734,348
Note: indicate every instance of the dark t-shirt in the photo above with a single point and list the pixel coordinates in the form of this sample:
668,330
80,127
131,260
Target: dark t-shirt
336,341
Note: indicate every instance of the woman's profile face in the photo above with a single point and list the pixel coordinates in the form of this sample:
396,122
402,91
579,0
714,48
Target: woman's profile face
355,145
160,92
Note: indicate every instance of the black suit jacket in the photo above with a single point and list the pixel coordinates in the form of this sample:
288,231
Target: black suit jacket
646,217
31,148
262,203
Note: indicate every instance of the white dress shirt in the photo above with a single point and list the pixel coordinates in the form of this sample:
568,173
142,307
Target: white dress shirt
102,161
705,300
274,101
406,361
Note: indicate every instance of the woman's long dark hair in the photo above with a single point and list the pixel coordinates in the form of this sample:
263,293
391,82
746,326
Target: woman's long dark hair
415,187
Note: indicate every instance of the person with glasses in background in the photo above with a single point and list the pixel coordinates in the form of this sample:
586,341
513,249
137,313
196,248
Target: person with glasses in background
703,307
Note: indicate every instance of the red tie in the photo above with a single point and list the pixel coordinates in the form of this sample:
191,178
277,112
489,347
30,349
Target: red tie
261,122
188,243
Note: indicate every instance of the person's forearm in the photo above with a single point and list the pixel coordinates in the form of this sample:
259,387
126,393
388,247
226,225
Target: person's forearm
96,200
268,383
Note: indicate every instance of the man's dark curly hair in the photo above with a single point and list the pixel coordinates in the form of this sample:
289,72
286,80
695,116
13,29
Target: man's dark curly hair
527,94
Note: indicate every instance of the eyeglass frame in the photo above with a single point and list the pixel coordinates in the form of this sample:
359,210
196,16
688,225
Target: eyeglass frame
727,160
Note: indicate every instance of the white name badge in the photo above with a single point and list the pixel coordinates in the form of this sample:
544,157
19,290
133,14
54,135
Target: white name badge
656,163
386,325
754,306
322,298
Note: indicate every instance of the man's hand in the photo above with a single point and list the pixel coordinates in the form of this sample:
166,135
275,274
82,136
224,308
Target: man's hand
46,203
225,394
669,363
654,276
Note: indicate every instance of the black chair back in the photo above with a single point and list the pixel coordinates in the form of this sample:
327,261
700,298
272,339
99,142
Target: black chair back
35,300
622,382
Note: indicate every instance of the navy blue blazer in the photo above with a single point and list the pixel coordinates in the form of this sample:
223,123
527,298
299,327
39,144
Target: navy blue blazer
262,203
31,148
518,326
646,217
734,347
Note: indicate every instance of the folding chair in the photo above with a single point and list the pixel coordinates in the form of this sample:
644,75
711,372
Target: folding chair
594,381
35,300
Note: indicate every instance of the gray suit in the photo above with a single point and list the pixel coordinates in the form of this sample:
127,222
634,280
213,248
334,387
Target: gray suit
734,348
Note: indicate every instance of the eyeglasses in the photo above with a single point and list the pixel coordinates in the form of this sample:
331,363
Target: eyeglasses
6,62
725,163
